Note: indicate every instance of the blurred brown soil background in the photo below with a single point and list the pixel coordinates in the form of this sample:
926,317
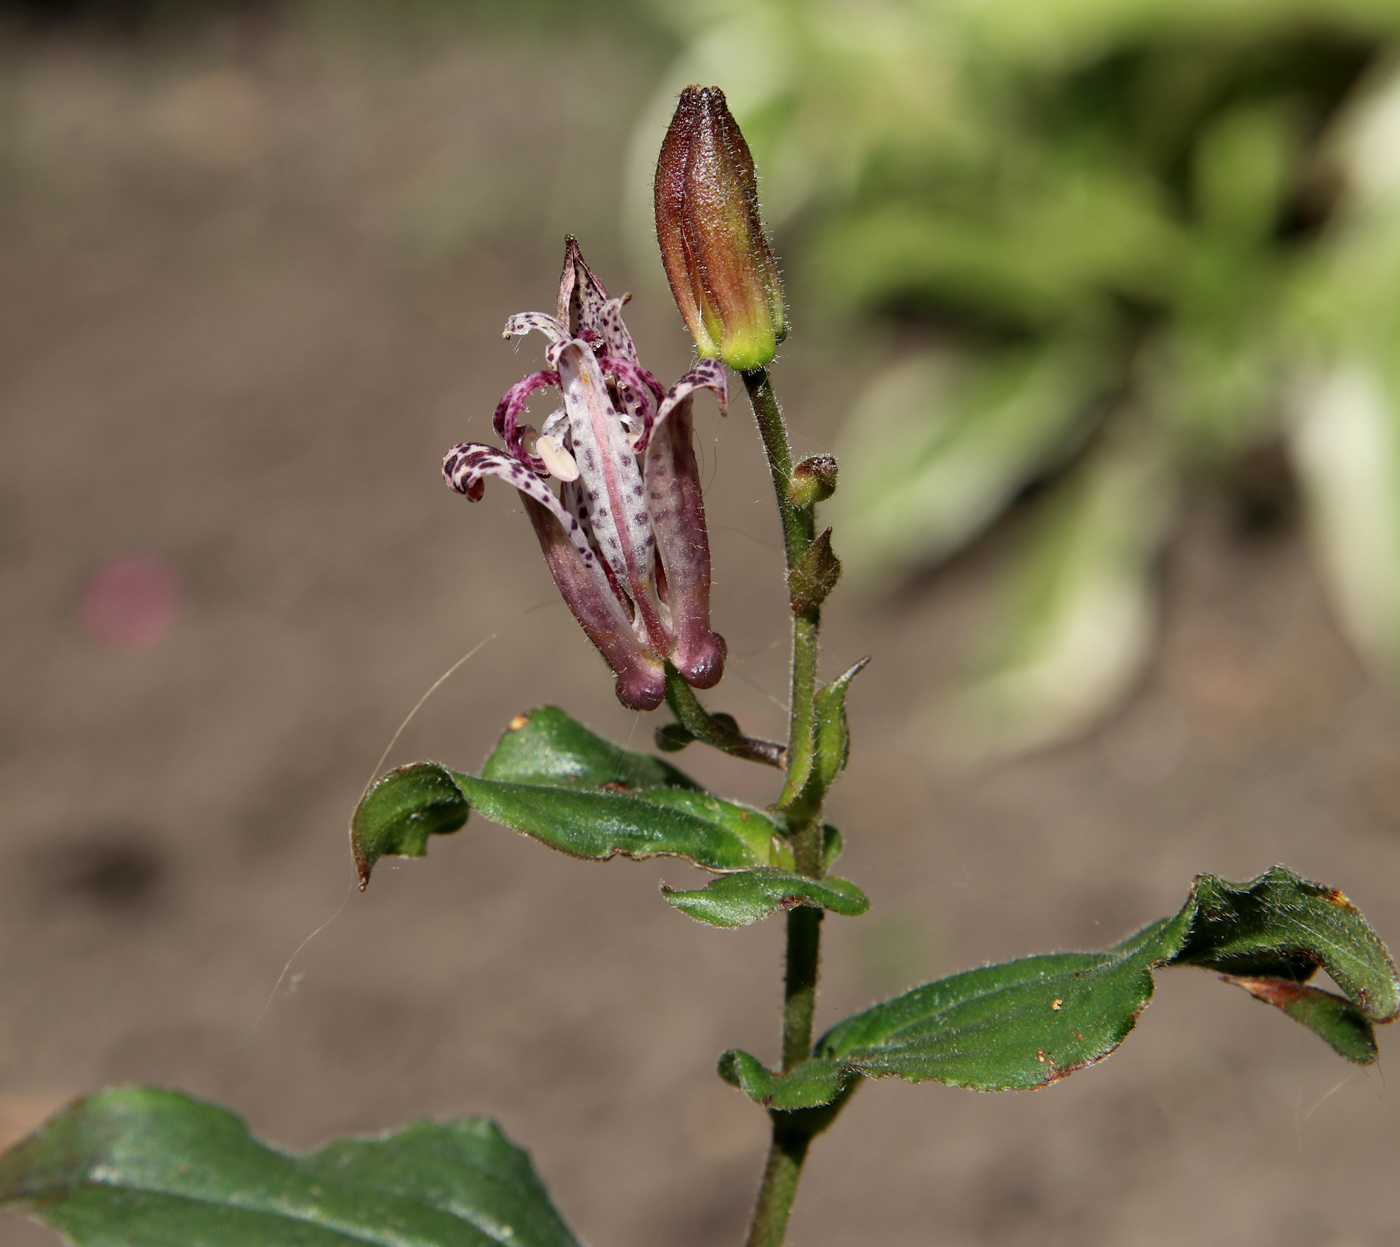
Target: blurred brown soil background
253,281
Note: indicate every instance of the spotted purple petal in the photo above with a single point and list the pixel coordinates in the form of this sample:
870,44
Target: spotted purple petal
507,416
640,392
581,295
613,489
525,322
678,523
640,674
625,538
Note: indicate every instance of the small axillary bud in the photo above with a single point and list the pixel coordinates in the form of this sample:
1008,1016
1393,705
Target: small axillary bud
722,272
813,480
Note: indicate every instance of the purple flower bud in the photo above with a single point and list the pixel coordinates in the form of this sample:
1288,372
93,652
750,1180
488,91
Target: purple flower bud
625,536
721,268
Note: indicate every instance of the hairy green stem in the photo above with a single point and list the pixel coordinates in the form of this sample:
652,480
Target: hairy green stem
799,526
800,984
792,1133
797,521
779,1189
708,728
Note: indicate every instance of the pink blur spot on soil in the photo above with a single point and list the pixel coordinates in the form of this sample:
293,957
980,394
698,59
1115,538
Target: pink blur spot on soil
130,603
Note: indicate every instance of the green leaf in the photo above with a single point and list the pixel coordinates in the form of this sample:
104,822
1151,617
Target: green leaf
546,746
554,780
833,845
817,769
1330,1016
139,1165
1023,1024
833,737
657,822
1287,927
810,1085
401,810
737,900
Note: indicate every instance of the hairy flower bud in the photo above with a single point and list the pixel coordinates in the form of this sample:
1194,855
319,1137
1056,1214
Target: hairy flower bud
722,271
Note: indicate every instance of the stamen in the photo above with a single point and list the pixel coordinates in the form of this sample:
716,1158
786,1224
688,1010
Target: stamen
558,461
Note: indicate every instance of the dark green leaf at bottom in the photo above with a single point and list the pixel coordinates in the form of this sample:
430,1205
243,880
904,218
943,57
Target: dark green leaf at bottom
135,1165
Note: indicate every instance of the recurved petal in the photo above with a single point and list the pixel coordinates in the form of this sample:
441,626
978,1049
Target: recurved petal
640,392
582,580
641,676
678,521
466,467
708,374
524,322
506,420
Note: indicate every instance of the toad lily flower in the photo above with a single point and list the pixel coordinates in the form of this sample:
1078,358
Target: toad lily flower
625,536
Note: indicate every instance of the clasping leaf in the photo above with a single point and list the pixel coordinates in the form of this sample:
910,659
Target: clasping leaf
750,895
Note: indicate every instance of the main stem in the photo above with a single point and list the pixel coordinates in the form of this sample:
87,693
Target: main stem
799,527
791,1135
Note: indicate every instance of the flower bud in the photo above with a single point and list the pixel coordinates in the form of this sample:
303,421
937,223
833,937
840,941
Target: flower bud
722,271
813,480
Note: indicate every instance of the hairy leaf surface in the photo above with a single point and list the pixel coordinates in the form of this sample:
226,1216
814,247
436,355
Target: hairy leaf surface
1027,1023
138,1165
553,779
737,900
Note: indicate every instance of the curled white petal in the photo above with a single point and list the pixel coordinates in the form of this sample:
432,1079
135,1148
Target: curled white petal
524,322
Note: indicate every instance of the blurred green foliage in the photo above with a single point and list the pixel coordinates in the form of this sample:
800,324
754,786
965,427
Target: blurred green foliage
1132,242
633,19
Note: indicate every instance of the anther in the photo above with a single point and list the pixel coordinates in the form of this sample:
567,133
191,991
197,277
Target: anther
557,461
